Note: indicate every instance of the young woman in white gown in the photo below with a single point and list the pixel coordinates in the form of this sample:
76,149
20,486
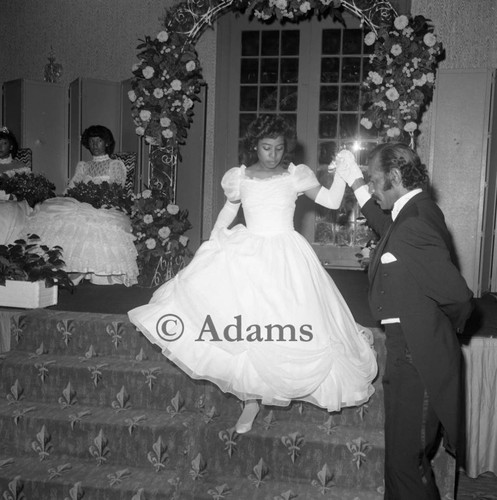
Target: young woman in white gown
97,243
255,312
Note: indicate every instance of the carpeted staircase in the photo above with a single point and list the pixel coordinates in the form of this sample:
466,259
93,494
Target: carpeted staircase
89,409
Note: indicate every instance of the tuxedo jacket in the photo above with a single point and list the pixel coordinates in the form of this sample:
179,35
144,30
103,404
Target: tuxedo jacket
413,277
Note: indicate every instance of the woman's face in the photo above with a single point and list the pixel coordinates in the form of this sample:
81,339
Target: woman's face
5,148
270,151
97,146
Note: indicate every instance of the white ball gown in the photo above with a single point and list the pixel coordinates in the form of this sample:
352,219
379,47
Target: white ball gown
255,311
97,243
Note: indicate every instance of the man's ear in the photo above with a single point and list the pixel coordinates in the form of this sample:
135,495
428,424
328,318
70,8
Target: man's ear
395,177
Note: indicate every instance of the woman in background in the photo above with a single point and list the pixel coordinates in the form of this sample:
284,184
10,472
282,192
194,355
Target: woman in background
13,214
97,243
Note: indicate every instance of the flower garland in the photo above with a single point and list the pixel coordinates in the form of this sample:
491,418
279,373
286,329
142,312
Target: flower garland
401,79
159,228
165,85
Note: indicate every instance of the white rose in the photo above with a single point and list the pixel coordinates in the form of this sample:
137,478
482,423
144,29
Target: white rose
139,130
145,115
163,36
164,232
396,50
176,85
375,77
305,7
367,124
392,94
158,93
430,39
147,193
393,132
165,121
150,243
187,103
148,219
370,38
190,65
172,209
430,77
401,22
410,127
148,72
132,95
183,240
168,133
420,81
281,4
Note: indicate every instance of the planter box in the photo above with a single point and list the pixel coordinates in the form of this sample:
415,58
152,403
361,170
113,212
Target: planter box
27,294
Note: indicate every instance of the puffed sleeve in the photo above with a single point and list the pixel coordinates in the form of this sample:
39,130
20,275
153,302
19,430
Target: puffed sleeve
231,183
303,177
117,172
79,174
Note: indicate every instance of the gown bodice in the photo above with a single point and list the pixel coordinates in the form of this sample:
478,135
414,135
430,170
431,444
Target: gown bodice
269,204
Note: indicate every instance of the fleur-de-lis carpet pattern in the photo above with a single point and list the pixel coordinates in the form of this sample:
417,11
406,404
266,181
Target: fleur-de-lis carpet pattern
90,410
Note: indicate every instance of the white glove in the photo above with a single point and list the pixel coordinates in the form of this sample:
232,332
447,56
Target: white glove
347,168
225,218
331,198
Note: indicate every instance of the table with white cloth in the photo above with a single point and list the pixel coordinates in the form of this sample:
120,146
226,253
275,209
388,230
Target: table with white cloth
480,356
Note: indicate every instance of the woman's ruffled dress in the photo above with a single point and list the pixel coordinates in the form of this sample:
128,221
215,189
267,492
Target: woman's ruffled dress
256,313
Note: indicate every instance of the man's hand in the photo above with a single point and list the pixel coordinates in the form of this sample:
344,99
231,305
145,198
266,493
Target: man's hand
347,167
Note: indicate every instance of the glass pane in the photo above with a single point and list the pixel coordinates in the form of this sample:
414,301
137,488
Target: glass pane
245,120
352,41
270,43
330,69
288,98
290,41
331,41
289,70
249,71
327,126
351,69
349,126
268,98
328,98
269,70
248,98
291,118
327,152
350,98
250,43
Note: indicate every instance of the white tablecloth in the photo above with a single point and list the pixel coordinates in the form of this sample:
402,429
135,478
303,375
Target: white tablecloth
480,356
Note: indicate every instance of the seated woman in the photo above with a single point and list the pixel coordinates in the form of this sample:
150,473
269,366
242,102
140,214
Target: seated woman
13,214
97,243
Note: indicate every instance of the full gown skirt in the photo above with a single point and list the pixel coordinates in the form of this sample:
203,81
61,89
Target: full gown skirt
256,313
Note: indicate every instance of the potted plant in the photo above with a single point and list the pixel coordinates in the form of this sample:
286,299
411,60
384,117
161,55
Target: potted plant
30,274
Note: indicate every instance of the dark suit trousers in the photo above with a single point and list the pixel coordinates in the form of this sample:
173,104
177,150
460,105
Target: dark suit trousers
412,430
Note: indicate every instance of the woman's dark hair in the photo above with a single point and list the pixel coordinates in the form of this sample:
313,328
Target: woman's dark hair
401,156
9,136
99,131
267,126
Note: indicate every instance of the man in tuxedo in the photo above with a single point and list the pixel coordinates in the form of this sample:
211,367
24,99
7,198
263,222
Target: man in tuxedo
418,294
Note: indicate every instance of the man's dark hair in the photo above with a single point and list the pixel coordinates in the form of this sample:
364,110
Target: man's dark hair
399,155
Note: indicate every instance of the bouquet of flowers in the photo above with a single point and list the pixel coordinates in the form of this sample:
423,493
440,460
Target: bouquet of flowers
102,195
34,188
401,79
159,228
28,260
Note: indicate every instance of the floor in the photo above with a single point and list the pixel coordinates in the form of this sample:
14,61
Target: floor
354,287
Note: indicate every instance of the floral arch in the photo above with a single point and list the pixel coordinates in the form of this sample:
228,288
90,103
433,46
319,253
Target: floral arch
168,77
